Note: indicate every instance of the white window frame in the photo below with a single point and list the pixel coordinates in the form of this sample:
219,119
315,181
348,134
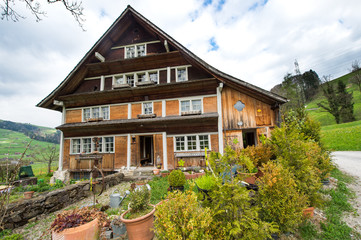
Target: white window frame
135,50
151,72
190,104
198,147
143,107
176,74
100,112
103,145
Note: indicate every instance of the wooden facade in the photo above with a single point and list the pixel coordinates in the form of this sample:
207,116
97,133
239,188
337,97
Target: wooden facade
151,101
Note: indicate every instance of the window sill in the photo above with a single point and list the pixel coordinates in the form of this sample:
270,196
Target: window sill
122,85
145,83
191,113
95,119
142,116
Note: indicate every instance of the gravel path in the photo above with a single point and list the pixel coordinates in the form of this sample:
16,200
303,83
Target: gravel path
34,230
350,162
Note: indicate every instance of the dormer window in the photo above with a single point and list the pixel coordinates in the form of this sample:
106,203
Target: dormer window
182,75
134,51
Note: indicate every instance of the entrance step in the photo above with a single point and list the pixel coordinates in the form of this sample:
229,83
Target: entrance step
143,171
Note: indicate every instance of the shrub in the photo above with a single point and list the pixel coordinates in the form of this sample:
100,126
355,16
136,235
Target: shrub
259,154
278,197
139,202
206,182
176,178
181,217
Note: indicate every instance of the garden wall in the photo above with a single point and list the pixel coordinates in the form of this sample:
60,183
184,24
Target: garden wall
19,213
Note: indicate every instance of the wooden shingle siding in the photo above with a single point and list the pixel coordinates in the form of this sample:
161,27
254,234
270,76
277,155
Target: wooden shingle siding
136,110
120,151
210,104
172,107
170,152
118,112
66,154
214,143
73,116
158,147
157,108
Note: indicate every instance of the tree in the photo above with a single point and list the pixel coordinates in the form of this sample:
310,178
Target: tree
9,10
47,154
339,101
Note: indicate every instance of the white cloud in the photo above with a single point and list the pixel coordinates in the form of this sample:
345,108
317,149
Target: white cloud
256,42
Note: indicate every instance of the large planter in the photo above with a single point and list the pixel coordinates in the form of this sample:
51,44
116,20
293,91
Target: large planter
87,231
139,228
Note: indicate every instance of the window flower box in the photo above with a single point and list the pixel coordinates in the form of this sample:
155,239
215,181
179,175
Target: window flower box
195,112
121,85
95,119
142,116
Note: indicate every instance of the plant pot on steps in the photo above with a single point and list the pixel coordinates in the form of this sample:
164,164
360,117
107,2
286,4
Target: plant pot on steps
87,231
139,228
28,195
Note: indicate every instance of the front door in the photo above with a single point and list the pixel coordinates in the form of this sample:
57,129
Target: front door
146,151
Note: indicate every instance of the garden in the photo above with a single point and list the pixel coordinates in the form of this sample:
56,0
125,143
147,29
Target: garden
268,191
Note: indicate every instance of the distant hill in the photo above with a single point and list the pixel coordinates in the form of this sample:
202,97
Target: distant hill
43,134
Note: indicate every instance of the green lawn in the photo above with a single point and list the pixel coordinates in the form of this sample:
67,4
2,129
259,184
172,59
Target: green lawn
342,137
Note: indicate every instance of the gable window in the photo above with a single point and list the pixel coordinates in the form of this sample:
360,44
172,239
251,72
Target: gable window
191,142
142,77
181,75
87,145
119,79
153,76
191,105
135,51
96,113
148,108
130,79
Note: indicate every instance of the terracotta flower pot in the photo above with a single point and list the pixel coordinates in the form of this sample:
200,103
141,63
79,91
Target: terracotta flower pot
28,195
156,171
139,228
87,231
164,174
308,212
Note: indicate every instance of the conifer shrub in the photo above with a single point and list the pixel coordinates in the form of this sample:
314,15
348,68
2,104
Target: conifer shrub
181,217
176,178
278,198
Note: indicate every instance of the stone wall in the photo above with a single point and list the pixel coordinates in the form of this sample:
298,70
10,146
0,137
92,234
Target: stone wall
19,213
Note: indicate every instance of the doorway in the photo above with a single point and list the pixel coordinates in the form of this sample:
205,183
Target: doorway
146,151
249,138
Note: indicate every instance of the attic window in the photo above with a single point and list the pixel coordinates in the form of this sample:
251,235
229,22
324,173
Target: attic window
134,51
239,105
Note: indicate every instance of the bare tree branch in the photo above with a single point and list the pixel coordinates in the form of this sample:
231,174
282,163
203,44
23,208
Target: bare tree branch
9,12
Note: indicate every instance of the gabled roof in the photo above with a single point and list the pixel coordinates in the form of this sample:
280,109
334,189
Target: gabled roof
47,102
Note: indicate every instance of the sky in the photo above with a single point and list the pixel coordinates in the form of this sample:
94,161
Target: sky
256,41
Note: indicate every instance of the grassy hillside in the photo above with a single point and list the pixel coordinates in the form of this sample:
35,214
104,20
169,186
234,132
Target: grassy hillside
326,118
12,144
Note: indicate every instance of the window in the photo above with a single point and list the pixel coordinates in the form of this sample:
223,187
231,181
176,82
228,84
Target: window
148,108
179,143
130,80
119,79
181,74
75,146
87,145
142,77
203,142
191,105
109,144
192,142
153,76
96,112
135,51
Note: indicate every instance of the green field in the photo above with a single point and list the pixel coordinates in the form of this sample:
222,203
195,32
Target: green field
13,144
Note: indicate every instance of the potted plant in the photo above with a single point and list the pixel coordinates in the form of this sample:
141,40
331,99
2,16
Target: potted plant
139,218
164,173
156,171
176,180
28,194
79,224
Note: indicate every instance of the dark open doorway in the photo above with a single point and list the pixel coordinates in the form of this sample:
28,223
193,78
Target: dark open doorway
146,151
249,138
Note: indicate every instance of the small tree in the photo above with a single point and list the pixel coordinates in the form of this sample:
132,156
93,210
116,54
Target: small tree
339,102
47,154
356,79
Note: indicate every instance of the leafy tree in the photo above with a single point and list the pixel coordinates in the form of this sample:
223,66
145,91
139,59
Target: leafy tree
356,79
47,154
9,9
339,101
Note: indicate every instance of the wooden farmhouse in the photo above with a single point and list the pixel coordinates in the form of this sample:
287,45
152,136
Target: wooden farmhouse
140,98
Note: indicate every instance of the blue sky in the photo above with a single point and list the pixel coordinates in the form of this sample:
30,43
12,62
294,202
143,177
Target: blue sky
256,41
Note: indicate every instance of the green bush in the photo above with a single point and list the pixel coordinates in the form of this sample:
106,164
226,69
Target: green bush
176,178
181,217
278,198
206,182
139,201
